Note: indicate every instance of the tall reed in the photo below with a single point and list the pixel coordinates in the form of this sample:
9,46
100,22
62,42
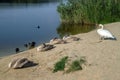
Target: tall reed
89,11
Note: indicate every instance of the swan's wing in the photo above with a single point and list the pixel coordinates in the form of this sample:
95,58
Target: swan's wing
105,33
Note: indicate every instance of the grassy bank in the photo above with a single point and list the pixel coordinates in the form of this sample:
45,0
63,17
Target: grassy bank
89,11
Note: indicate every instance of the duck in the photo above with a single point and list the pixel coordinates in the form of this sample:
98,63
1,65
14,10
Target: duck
45,47
105,34
66,37
38,26
18,63
70,38
30,45
57,41
26,45
17,50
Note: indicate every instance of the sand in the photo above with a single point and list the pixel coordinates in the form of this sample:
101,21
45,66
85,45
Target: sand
103,59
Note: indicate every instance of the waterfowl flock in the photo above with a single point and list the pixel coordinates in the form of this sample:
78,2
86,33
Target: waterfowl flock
50,45
21,62
30,45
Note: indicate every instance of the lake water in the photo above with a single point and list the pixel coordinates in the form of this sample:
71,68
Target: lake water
19,22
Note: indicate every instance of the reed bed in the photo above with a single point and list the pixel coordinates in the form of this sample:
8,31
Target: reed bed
89,11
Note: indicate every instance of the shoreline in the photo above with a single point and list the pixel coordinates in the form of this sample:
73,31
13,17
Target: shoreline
102,58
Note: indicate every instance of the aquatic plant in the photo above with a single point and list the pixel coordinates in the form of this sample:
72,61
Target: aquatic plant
89,11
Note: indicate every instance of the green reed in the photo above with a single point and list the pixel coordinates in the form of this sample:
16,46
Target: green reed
89,11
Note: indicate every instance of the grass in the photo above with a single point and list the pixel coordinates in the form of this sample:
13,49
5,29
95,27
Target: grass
76,65
60,65
89,11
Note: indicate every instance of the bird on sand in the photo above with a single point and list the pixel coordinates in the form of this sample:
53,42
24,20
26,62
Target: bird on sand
70,38
105,34
45,47
18,63
57,41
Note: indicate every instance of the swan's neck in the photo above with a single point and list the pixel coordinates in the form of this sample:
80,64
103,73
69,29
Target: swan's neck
101,26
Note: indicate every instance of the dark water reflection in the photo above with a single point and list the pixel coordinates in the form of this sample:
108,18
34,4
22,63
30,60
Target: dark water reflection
73,29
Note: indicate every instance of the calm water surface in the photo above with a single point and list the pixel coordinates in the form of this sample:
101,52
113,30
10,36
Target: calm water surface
18,25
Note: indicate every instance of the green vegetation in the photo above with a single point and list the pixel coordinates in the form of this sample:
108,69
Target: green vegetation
76,65
73,66
89,11
60,65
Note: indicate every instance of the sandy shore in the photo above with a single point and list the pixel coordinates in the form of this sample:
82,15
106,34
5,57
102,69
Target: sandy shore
103,59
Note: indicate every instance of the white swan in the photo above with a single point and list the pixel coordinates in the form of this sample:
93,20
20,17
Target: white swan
105,34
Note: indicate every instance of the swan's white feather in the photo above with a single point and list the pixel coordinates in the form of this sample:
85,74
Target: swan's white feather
105,33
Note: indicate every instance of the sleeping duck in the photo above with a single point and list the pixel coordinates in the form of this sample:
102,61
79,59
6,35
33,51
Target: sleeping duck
45,47
18,63
70,38
57,41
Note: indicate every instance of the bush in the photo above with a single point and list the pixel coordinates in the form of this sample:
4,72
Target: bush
89,11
